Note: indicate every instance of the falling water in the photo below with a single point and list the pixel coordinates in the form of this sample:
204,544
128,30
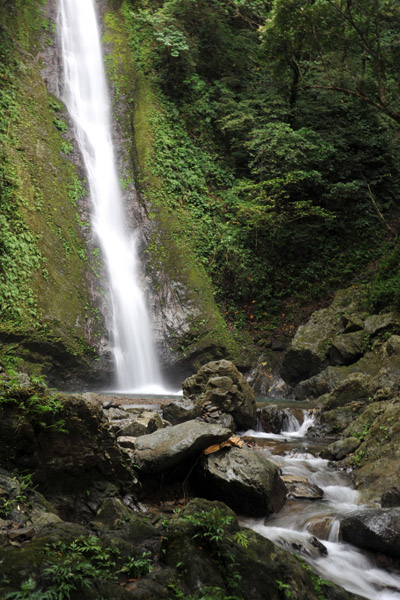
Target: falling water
294,526
86,97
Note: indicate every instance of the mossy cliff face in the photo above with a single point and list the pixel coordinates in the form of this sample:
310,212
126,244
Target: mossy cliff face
189,326
50,272
49,322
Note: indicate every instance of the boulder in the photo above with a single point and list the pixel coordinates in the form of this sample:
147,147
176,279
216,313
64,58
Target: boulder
272,418
166,448
319,384
321,526
245,480
379,323
347,348
299,487
374,529
393,345
141,422
340,449
379,469
357,387
263,569
337,335
221,384
181,410
307,354
352,322
391,498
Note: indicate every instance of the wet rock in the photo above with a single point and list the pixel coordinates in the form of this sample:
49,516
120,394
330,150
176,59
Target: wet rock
21,534
347,348
272,418
167,447
181,410
374,529
391,498
319,384
307,354
275,419
378,323
299,487
393,345
340,449
141,422
357,387
243,479
40,520
311,548
320,526
321,549
112,512
352,322
127,441
221,384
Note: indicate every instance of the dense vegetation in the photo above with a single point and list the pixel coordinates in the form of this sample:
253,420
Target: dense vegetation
277,130
43,312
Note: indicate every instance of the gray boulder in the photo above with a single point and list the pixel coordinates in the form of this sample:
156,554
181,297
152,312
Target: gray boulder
379,323
168,447
219,383
347,348
180,411
140,423
307,354
299,487
357,387
319,384
340,449
374,529
246,481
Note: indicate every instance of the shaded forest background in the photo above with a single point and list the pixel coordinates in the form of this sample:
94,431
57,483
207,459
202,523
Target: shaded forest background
281,138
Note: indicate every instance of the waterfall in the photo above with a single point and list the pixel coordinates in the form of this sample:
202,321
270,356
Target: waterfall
87,100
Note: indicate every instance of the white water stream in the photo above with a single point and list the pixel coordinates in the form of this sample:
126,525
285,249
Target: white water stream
299,520
86,97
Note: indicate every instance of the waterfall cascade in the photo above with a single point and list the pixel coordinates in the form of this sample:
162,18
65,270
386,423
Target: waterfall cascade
86,97
301,519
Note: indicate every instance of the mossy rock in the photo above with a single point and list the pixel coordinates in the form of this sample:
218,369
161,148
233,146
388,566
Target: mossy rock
258,565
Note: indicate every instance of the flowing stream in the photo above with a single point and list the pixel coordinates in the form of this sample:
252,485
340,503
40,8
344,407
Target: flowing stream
86,97
300,520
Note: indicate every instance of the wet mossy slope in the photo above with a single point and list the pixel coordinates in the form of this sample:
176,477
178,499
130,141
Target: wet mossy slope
183,299
46,320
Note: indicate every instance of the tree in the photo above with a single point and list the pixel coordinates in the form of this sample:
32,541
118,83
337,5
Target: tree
351,47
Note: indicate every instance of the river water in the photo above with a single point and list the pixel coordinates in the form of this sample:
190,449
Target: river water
87,99
300,520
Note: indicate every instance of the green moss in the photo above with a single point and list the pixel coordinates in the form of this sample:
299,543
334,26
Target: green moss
42,256
172,244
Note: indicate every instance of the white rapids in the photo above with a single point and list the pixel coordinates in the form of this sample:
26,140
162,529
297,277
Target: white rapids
86,97
294,525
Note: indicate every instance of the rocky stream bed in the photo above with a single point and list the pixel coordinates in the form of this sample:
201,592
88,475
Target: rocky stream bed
110,497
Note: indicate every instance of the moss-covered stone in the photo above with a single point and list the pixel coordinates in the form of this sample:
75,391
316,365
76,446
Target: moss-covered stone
46,325
183,301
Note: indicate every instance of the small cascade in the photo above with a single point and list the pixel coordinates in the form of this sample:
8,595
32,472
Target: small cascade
297,429
319,498
86,97
290,423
